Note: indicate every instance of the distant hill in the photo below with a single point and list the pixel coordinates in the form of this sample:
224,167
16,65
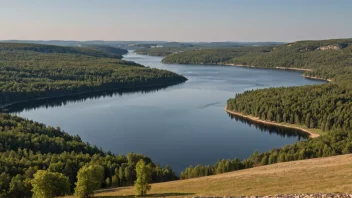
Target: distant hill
107,49
327,58
96,51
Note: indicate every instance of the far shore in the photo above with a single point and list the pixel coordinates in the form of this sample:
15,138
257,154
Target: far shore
253,66
282,68
255,119
316,78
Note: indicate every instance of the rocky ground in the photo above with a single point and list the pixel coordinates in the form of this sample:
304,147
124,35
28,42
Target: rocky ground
316,195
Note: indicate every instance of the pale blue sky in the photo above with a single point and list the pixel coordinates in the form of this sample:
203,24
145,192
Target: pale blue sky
175,20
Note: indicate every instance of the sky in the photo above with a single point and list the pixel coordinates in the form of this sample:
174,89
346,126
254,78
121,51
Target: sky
175,20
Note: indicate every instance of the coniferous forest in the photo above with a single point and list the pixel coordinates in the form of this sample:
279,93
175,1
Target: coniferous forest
32,71
326,107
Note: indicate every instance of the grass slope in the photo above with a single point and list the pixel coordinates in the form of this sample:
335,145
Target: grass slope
331,174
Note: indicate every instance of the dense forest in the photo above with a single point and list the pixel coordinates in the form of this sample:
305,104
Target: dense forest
225,49
159,51
30,71
328,59
326,107
213,55
27,146
31,152
107,49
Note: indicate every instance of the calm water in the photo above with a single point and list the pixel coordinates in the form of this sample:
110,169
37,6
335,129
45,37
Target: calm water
180,125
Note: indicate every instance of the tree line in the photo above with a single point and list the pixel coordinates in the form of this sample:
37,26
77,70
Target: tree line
28,148
326,107
30,71
334,143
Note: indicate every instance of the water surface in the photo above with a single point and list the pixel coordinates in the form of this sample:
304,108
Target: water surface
179,125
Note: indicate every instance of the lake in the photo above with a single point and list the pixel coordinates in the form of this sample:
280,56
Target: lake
179,125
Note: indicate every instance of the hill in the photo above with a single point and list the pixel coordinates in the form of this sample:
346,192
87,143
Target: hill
326,58
331,174
107,49
95,51
222,47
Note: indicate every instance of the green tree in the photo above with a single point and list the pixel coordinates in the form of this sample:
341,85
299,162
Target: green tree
144,173
121,175
89,178
107,182
4,183
47,184
128,175
20,187
114,181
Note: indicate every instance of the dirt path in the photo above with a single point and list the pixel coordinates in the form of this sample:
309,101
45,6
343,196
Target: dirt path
255,119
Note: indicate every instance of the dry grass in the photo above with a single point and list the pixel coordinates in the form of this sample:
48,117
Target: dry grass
332,174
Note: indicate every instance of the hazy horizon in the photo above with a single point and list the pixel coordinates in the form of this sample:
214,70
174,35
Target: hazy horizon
179,21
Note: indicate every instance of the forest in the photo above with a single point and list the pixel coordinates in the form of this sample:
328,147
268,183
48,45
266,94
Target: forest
328,59
226,48
31,71
27,147
326,107
31,152
334,143
158,51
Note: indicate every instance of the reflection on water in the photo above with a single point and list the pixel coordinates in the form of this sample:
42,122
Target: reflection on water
65,100
178,125
271,129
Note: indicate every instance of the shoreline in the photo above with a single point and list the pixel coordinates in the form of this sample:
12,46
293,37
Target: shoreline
255,119
249,66
280,68
4,106
316,78
258,67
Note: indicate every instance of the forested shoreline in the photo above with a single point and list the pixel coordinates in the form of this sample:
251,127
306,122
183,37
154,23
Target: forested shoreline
31,153
27,146
30,71
326,107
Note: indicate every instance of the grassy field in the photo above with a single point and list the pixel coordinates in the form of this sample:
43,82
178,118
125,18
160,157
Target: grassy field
332,174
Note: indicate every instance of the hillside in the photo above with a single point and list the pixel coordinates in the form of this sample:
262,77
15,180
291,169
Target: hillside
94,51
331,174
107,49
160,51
32,71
